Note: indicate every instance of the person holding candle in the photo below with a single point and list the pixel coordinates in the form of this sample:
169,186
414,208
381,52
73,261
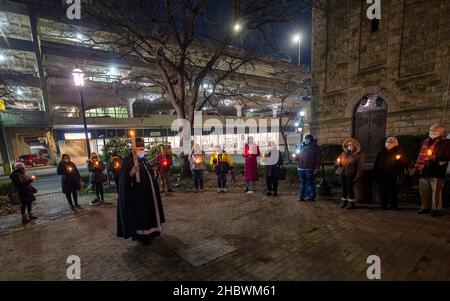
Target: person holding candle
197,160
388,168
70,180
349,166
431,168
221,163
251,153
308,165
164,162
114,168
97,177
22,185
139,211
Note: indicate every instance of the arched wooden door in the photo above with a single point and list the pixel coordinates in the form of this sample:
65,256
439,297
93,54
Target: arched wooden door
369,124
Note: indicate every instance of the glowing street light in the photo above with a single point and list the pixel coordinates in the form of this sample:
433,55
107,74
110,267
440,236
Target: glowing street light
302,114
78,79
2,57
298,39
237,27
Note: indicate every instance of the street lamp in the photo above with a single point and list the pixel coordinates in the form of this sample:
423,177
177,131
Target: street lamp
78,78
298,39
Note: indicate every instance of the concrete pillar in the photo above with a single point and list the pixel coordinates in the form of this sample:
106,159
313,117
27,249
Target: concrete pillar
130,107
5,150
238,110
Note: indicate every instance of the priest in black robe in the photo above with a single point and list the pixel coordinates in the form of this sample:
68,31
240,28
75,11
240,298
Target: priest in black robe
139,211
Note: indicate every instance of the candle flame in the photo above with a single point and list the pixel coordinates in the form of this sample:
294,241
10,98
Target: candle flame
398,157
70,168
132,133
429,152
338,160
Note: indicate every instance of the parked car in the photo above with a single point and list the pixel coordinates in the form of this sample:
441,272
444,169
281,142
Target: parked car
32,160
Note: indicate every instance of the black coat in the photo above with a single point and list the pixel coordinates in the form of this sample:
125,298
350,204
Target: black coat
139,204
389,167
97,175
22,185
70,180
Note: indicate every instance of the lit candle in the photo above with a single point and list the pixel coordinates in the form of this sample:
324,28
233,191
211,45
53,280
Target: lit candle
96,163
198,160
117,165
338,160
397,157
69,169
429,152
164,162
33,177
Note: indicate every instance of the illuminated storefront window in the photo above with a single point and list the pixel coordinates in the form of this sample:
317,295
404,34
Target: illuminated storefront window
109,112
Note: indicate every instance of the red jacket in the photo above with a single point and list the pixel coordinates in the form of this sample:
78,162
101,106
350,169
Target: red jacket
164,162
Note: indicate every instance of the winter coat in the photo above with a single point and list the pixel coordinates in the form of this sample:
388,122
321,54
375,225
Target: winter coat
351,164
221,163
164,162
70,177
271,169
309,157
251,164
22,186
115,166
96,176
390,164
197,161
434,168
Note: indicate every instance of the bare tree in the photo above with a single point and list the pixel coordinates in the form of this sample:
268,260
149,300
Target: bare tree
187,43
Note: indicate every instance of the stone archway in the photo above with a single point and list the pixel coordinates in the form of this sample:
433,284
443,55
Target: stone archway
389,97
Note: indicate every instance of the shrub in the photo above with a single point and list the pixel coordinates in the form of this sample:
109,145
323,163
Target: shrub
118,145
6,187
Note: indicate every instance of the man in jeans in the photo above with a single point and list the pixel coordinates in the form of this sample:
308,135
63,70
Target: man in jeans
431,167
308,164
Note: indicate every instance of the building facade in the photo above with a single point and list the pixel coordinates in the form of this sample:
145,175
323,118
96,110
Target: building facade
377,78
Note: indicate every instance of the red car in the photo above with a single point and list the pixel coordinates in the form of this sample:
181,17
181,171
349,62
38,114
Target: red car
32,160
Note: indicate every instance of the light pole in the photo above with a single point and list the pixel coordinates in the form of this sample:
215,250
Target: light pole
302,125
298,39
78,78
237,28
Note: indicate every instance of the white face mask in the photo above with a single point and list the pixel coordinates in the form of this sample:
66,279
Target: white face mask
434,135
141,154
351,147
389,145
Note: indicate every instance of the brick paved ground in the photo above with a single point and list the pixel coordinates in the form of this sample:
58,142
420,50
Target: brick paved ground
276,239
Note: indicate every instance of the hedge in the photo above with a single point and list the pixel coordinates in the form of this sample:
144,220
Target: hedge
5,187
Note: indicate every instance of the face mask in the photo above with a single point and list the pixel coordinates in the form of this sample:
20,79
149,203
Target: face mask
351,148
389,145
307,141
141,155
434,135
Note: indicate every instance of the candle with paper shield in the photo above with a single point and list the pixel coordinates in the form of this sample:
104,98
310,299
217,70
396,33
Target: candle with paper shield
135,159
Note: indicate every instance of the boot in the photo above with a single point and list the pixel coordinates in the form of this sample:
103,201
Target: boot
31,216
25,219
351,204
344,203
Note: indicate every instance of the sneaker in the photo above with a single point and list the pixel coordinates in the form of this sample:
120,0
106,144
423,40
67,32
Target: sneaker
312,200
78,206
301,199
423,211
250,191
344,203
203,190
31,216
219,190
72,208
436,213
224,190
95,202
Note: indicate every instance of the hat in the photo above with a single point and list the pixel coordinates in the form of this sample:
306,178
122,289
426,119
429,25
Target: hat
139,142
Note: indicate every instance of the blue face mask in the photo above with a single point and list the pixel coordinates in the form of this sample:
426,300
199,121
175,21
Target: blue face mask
140,155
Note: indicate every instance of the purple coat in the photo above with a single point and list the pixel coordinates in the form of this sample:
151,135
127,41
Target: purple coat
251,164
